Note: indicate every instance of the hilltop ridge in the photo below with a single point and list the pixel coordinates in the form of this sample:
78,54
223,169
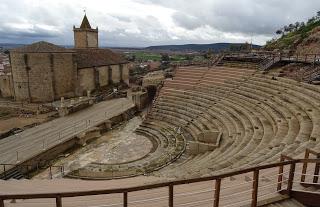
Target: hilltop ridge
302,37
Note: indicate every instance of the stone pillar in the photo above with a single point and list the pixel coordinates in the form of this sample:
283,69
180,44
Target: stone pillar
62,102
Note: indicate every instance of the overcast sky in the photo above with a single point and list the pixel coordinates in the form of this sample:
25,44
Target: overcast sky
151,22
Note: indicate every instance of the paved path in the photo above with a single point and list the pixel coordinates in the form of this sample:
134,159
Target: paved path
33,141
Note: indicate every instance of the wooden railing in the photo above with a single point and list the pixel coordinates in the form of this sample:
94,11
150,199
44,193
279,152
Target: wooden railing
306,58
171,185
305,166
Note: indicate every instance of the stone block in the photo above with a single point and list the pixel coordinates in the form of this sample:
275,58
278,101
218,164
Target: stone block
88,135
210,137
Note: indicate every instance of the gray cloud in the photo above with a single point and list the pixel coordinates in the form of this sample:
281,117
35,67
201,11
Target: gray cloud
186,21
151,22
253,17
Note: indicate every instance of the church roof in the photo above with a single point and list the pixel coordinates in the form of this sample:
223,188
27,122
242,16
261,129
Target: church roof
85,23
88,58
41,47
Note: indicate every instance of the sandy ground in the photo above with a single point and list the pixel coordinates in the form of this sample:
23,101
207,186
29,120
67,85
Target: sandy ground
117,146
7,124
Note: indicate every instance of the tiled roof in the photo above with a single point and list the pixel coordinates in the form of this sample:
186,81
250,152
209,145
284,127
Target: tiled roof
40,47
87,58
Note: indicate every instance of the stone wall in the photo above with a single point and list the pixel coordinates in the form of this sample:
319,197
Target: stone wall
92,39
80,39
43,77
103,75
65,75
6,86
90,78
85,38
125,73
40,76
20,77
115,73
86,80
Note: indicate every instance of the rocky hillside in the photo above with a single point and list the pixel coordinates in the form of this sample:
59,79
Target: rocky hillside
301,37
311,44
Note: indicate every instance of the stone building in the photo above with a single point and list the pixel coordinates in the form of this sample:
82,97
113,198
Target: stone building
85,36
44,72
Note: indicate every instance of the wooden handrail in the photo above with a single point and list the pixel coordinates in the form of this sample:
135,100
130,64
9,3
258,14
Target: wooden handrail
217,193
170,185
255,186
305,166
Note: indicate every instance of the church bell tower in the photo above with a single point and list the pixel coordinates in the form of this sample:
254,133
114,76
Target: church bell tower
85,36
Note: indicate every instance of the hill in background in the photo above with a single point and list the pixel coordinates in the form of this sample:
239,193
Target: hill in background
216,47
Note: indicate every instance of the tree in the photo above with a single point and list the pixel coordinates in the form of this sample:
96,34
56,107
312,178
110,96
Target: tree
291,27
318,14
286,29
165,57
297,25
279,32
311,20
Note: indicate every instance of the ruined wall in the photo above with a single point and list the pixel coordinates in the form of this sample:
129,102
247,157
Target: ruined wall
86,79
6,86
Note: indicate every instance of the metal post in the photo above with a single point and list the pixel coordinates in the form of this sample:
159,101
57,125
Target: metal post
255,188
1,203
291,177
58,201
170,195
125,199
217,193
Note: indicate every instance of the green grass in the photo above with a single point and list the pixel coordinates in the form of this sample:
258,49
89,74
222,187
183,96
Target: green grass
146,56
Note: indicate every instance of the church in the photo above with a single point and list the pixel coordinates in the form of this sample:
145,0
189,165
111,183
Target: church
44,72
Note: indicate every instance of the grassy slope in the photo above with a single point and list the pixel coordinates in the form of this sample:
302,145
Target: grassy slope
290,40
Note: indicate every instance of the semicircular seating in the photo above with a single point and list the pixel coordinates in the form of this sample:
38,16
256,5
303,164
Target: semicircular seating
167,147
260,118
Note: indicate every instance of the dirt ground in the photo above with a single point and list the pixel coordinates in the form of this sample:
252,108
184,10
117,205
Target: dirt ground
116,146
11,118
